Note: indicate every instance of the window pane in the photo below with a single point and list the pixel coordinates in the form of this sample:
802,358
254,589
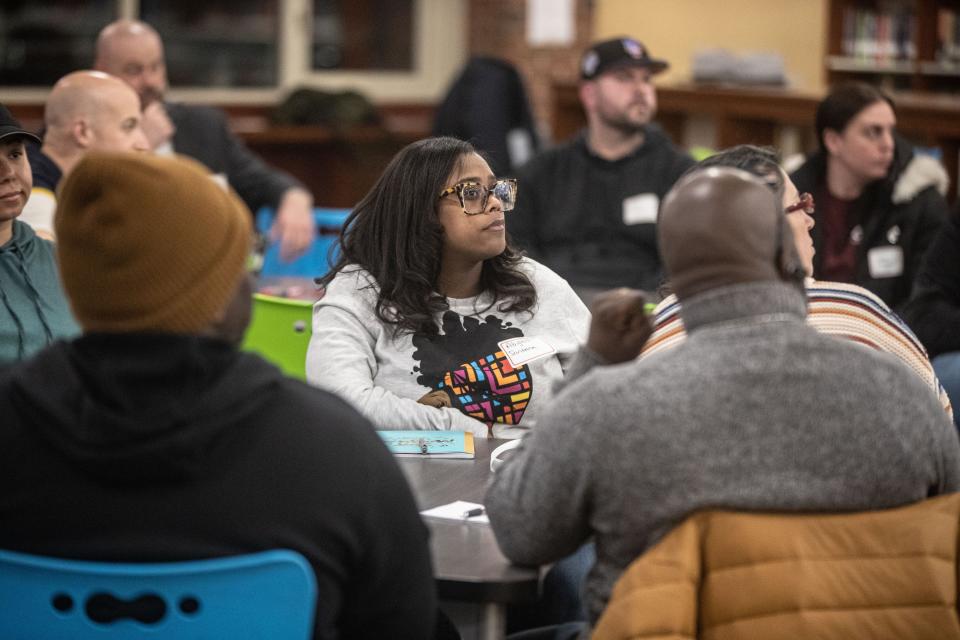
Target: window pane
363,34
40,42
217,43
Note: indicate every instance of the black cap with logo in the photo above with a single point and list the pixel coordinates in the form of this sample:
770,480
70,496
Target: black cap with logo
10,127
618,52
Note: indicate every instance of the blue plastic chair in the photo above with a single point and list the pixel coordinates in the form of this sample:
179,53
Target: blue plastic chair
317,259
271,594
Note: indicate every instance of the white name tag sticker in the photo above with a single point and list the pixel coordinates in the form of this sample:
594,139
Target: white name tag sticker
885,262
641,209
520,351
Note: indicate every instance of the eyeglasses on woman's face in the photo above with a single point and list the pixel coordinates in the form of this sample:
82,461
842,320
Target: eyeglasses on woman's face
473,196
805,204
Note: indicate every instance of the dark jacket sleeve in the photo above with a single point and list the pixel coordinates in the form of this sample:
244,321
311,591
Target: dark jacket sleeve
524,221
395,592
204,133
934,311
682,162
932,211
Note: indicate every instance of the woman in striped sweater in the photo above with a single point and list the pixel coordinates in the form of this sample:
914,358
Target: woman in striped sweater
843,310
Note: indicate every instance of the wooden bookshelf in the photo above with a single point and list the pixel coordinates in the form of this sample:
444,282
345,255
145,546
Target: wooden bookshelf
899,44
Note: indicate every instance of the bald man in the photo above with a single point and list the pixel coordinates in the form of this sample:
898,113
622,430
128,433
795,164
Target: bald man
86,111
133,51
754,411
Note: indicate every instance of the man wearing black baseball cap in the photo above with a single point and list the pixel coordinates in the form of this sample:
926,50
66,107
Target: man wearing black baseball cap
33,308
590,206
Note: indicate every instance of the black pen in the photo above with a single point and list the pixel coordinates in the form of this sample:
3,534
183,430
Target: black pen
476,511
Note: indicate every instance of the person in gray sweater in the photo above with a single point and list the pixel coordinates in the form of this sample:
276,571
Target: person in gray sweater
755,411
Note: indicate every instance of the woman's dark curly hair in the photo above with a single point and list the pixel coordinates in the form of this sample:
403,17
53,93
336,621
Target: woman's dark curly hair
395,234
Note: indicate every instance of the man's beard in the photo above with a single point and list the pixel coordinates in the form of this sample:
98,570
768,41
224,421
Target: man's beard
623,124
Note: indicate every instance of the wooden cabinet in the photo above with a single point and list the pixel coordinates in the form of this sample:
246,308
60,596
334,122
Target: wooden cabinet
899,44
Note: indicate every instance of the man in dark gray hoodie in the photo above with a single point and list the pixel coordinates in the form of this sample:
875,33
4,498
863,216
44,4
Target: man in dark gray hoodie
152,438
755,410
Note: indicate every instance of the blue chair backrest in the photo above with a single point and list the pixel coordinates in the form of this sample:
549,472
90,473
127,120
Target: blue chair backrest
271,594
317,259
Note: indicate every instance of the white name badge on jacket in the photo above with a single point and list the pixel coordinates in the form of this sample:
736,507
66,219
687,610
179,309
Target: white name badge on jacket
885,262
641,209
520,351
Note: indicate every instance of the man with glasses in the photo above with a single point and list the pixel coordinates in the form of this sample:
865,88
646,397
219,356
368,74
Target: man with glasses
589,207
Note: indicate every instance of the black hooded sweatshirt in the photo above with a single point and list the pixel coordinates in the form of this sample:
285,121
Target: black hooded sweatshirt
911,224
160,447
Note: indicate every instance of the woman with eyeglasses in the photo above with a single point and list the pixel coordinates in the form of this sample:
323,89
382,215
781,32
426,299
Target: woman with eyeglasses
431,319
879,204
843,310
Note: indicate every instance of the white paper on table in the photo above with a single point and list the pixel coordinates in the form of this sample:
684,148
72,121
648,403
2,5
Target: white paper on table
455,511
550,22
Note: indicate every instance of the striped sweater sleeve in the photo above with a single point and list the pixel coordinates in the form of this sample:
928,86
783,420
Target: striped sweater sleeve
851,312
838,309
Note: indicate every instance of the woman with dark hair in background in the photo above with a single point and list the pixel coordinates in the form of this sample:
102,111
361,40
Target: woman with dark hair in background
879,204
431,319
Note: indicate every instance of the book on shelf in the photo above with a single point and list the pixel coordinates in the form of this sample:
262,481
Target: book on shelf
878,36
429,444
948,36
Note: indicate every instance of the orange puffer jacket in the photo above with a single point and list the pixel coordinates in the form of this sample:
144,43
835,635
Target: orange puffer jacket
730,576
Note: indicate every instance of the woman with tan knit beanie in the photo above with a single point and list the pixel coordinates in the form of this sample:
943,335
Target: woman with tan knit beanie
431,318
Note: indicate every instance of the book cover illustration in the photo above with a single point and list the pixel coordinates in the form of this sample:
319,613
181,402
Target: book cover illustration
435,444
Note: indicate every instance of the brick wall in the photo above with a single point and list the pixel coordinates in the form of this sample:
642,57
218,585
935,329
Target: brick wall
498,28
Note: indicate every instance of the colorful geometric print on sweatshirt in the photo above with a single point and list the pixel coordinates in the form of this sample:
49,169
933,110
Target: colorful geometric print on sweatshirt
838,309
489,388
488,367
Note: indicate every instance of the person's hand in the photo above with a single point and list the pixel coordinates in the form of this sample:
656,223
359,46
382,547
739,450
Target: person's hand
294,225
438,399
619,327
157,125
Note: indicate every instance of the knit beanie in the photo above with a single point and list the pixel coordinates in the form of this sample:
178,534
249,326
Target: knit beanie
148,243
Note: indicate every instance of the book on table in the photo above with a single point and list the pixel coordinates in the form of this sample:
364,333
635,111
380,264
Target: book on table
431,444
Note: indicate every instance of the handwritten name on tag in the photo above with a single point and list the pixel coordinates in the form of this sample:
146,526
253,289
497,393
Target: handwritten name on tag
641,209
885,262
520,351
